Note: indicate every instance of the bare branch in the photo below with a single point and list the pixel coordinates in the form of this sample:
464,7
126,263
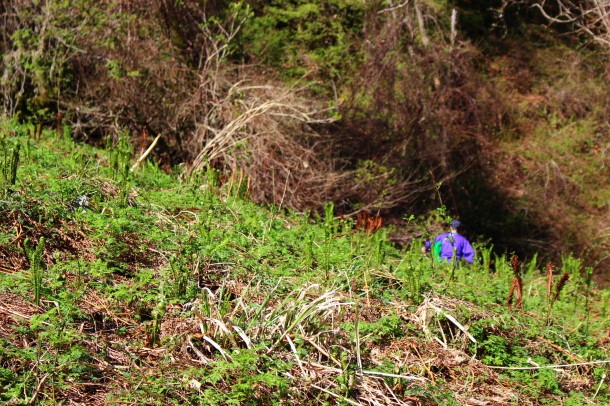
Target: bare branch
387,10
589,17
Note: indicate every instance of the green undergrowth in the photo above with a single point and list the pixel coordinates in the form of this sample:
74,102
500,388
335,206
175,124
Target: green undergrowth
123,283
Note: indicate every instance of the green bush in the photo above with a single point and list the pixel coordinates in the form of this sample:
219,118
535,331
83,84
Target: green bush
301,36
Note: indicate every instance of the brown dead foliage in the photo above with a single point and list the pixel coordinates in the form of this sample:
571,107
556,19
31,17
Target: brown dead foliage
63,237
425,100
367,223
516,287
453,366
15,310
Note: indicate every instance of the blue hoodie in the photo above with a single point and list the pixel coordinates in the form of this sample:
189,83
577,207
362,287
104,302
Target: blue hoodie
450,242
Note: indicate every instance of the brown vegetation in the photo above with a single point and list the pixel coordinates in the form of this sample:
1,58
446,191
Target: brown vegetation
160,70
516,287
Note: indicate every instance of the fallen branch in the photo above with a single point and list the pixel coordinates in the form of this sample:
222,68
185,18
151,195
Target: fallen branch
408,377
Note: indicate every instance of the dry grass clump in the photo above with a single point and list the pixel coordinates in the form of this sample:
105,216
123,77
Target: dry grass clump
281,140
266,141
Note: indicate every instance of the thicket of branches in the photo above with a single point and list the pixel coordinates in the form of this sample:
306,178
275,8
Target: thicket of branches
417,101
381,101
590,19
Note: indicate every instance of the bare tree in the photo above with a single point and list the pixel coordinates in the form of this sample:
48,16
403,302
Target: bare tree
590,18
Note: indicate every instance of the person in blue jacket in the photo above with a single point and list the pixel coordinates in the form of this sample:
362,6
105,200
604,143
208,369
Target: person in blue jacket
449,245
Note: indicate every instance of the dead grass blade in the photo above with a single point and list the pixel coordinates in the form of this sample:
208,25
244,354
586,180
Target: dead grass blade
222,352
296,355
423,316
322,303
146,153
243,336
194,348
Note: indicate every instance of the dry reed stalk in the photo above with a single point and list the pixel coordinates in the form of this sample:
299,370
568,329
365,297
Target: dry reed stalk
424,364
145,154
573,357
327,354
370,386
341,398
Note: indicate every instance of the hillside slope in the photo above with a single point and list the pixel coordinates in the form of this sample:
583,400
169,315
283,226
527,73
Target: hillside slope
120,283
366,104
